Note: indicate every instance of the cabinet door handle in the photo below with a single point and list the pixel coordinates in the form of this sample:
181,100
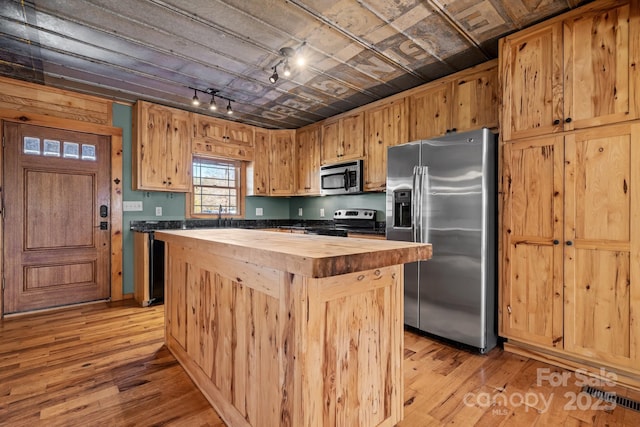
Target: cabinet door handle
556,242
569,243
556,122
568,120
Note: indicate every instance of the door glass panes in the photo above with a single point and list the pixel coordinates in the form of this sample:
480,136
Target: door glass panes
71,150
216,186
51,148
88,152
31,145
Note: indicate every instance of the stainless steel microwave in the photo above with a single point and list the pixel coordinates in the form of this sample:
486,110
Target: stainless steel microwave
341,178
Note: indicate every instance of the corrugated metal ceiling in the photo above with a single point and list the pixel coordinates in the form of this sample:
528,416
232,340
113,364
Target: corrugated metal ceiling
357,51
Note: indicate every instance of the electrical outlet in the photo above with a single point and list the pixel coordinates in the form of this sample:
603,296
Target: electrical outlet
158,210
299,211
259,212
129,206
321,212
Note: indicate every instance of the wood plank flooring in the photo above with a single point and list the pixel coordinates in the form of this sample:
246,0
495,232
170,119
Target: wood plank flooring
106,365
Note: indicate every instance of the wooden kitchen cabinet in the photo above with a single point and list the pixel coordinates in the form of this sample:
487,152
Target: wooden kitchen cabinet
571,266
386,126
211,129
161,152
282,163
261,163
308,160
343,138
274,163
595,85
531,304
465,101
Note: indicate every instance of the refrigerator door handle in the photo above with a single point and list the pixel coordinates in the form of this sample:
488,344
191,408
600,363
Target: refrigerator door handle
420,185
425,193
415,203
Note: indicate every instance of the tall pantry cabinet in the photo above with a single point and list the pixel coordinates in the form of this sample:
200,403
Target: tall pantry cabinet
570,270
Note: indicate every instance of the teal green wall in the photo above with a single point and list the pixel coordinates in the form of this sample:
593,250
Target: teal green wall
272,207
173,204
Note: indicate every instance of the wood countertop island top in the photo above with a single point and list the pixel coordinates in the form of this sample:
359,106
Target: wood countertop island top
308,255
281,329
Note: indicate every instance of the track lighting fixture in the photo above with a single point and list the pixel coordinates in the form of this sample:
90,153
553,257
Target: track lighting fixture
274,76
287,53
212,104
195,101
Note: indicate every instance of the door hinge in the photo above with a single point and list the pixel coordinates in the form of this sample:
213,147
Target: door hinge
3,283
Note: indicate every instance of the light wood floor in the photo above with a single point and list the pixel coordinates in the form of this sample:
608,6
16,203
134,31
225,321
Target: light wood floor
105,365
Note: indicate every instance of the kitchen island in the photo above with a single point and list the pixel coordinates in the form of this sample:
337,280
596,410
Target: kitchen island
280,329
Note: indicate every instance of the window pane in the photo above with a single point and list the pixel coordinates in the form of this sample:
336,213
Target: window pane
216,186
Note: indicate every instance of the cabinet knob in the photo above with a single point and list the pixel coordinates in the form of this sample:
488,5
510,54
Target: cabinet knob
569,243
568,120
556,242
556,122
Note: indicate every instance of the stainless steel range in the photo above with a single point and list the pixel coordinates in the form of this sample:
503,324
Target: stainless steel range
345,221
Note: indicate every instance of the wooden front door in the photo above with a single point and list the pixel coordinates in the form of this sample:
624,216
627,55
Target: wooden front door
56,217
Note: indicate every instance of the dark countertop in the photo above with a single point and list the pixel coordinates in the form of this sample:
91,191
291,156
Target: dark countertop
192,224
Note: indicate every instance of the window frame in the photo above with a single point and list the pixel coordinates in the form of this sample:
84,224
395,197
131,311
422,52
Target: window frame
242,190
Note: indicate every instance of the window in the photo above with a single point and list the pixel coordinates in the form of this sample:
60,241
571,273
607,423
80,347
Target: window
217,187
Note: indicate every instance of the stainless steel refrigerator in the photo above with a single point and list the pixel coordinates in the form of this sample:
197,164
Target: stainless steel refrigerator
443,191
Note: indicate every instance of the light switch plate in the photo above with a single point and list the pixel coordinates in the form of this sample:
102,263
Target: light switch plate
131,206
299,211
321,212
158,210
259,212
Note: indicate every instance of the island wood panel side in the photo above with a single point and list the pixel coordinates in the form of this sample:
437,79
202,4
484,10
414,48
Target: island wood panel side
271,348
232,334
354,349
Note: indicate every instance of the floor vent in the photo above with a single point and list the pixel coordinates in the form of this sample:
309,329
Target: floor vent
611,397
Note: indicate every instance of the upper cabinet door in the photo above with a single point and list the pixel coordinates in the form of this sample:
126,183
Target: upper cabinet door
531,71
282,166
179,152
308,158
239,133
601,54
261,163
331,147
352,136
208,128
386,126
430,112
475,101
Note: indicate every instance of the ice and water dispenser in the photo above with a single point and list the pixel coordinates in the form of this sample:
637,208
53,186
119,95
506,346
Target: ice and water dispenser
402,208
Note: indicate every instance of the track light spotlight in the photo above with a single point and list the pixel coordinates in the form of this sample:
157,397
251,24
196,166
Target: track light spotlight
212,104
195,101
286,70
229,109
274,76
